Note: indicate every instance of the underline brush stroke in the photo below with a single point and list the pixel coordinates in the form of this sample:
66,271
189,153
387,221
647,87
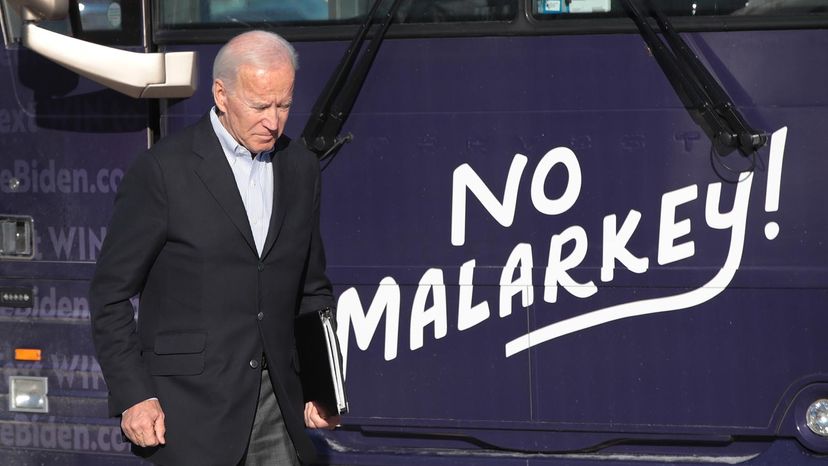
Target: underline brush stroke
686,300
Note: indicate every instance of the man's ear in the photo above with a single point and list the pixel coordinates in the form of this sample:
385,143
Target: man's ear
220,95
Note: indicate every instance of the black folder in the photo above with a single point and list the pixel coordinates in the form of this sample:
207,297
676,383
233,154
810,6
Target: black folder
320,361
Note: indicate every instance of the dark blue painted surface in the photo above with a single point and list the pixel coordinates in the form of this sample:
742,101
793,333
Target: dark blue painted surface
715,379
721,370
68,142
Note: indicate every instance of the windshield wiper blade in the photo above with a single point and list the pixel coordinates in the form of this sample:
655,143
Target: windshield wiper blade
332,108
711,107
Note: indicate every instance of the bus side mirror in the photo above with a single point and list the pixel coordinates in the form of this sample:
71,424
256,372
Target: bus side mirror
37,10
140,75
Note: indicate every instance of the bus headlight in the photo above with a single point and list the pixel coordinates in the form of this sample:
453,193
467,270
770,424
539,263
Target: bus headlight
817,417
28,394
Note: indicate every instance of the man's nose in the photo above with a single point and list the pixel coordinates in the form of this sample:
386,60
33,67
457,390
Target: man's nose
272,119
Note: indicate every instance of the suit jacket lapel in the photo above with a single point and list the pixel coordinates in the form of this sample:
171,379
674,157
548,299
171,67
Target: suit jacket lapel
282,179
217,176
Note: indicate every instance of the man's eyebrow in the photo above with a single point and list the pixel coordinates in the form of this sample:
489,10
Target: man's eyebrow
258,103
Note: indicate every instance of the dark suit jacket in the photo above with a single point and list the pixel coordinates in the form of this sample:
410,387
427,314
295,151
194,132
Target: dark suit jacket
209,306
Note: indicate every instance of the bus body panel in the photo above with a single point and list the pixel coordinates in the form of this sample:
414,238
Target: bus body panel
708,340
537,257
66,145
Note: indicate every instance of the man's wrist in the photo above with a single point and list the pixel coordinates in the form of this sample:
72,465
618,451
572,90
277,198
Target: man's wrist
153,398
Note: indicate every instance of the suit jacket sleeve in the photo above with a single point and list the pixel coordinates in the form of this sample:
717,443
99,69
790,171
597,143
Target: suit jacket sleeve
317,292
136,234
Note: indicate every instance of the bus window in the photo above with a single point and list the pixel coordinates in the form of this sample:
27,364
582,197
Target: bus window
551,9
212,13
108,22
438,11
101,15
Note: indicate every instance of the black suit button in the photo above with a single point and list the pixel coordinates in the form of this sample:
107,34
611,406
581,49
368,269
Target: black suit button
260,266
260,315
254,363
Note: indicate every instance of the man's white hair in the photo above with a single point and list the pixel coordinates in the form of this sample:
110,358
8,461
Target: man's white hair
259,49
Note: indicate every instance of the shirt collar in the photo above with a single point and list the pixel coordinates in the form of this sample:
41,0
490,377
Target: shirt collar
231,148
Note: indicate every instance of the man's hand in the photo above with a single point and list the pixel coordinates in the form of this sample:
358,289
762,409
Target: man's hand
315,417
143,424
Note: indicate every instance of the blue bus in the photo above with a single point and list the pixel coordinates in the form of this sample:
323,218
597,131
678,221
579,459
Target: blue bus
561,232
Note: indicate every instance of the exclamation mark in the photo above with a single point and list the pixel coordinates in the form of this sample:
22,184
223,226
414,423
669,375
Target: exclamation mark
777,153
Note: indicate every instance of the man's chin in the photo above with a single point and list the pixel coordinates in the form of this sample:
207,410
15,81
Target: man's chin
259,148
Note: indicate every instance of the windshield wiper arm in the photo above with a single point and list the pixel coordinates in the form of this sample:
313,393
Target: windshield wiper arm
321,133
696,87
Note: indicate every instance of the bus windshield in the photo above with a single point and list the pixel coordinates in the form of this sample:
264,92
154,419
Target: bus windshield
185,14
213,13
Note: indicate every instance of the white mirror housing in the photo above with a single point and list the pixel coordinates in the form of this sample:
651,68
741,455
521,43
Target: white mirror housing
38,10
139,75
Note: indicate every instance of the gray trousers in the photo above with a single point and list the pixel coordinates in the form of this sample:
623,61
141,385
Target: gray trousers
269,444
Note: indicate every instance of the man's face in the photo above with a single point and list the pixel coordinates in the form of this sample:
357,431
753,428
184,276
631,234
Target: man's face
255,111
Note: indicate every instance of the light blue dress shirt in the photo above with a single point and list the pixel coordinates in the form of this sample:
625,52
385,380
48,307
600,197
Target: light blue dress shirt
254,178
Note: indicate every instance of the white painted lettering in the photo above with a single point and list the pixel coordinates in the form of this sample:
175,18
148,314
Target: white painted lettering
669,230
520,259
615,246
469,315
431,284
557,268
351,313
466,178
544,205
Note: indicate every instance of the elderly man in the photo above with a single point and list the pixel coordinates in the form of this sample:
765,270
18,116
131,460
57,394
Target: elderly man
217,229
